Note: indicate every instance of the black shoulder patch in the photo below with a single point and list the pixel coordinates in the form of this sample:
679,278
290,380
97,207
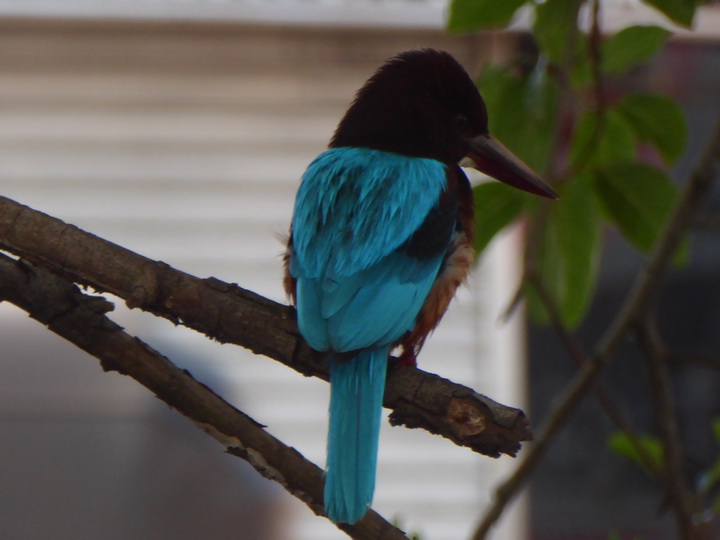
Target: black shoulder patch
433,236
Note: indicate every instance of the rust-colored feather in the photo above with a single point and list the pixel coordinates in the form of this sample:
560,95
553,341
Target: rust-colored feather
453,273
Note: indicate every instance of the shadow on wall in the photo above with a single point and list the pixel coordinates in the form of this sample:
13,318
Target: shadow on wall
88,455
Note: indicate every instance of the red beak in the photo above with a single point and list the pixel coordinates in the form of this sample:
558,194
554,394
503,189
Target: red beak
489,156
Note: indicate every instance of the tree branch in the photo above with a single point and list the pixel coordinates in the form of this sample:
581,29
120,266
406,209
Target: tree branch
574,349
81,319
675,484
230,314
631,312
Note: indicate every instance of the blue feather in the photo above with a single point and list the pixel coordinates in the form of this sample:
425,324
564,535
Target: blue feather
375,306
359,290
356,205
357,389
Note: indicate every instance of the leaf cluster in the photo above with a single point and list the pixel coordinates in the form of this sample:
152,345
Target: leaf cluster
608,159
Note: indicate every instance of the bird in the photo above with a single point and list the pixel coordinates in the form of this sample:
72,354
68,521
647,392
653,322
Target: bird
381,238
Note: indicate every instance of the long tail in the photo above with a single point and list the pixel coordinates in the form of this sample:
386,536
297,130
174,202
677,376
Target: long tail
356,394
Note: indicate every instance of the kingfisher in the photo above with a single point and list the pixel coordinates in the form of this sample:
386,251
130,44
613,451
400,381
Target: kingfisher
381,238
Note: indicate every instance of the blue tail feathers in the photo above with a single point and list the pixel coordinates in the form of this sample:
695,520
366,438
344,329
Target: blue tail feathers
357,388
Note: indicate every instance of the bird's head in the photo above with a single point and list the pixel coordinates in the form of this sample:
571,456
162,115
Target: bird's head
423,104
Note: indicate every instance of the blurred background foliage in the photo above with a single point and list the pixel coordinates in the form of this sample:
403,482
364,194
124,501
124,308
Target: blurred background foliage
553,111
608,149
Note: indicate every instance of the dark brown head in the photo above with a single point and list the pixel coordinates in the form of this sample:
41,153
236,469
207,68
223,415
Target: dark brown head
423,104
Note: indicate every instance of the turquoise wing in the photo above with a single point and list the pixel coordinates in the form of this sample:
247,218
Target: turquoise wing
356,209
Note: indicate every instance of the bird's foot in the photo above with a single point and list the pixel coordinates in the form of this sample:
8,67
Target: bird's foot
407,358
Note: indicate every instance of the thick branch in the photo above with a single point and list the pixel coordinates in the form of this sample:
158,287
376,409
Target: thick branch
230,314
81,320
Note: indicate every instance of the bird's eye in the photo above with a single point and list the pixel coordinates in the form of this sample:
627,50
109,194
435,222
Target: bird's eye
463,122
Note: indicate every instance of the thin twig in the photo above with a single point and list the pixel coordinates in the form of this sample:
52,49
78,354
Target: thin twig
608,404
675,482
704,361
600,95
707,223
630,314
596,58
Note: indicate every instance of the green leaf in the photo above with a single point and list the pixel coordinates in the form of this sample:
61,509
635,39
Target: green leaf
522,112
554,20
679,11
716,429
638,199
569,252
682,254
581,72
550,266
622,444
630,47
577,220
602,140
468,15
496,206
658,120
